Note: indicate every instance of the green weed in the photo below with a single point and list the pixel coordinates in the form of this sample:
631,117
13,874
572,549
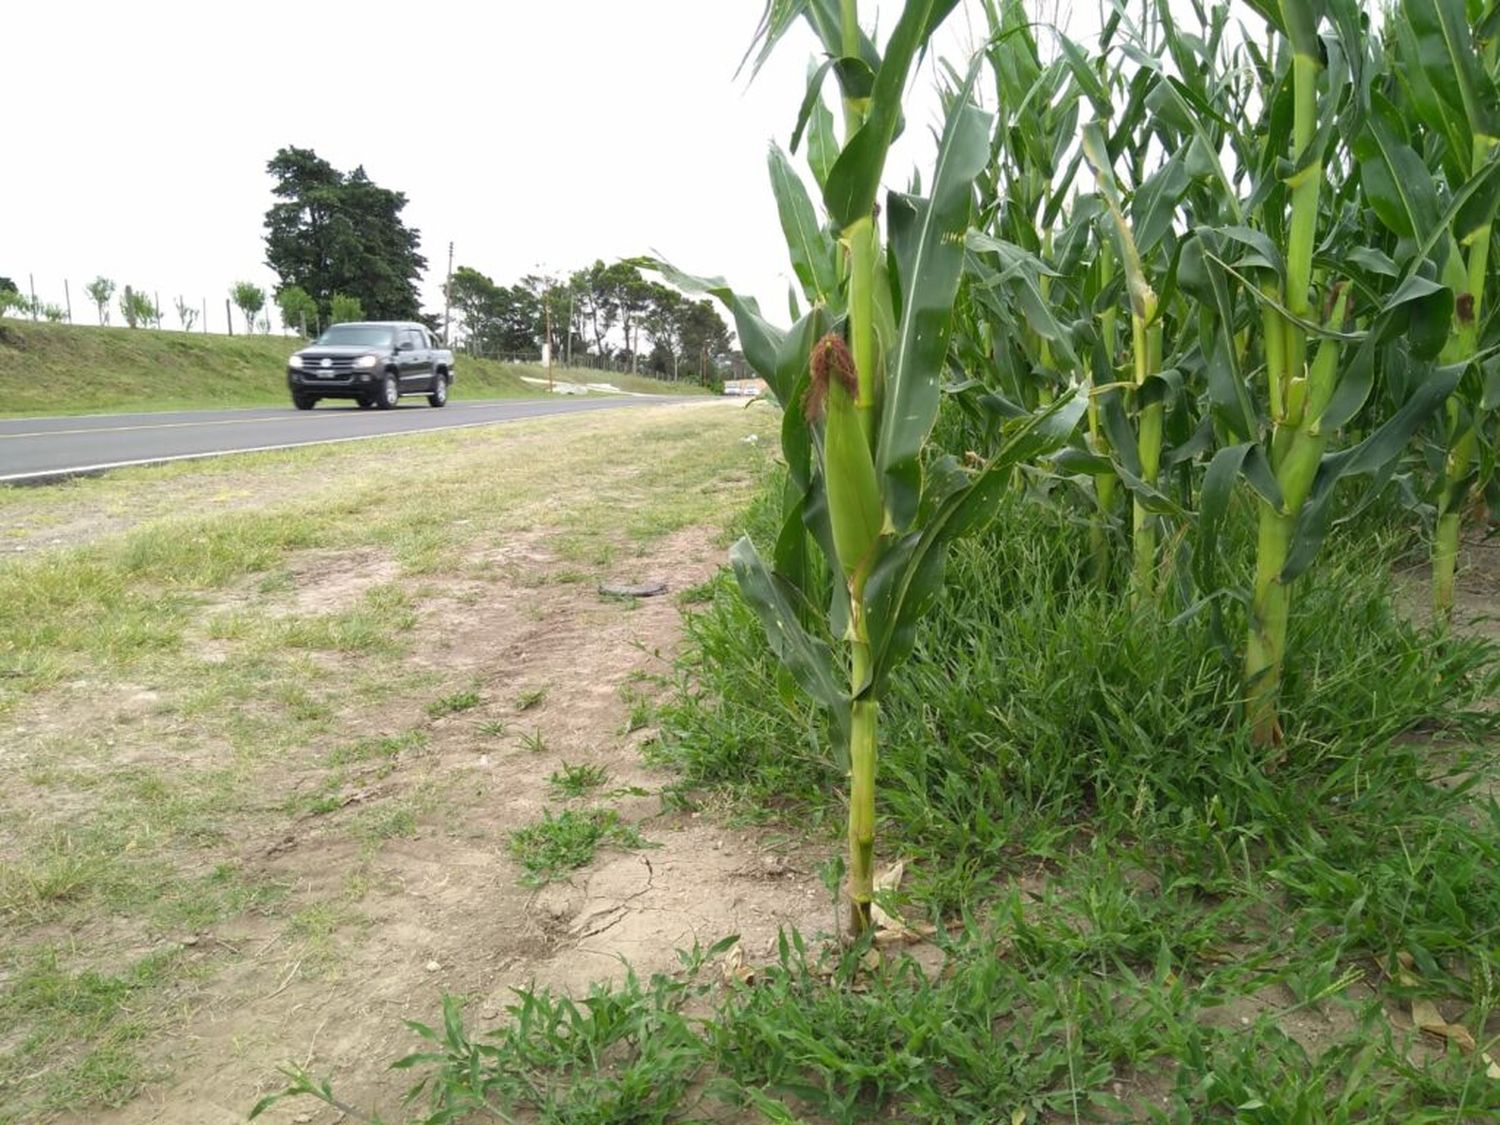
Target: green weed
534,697
453,704
579,780
555,845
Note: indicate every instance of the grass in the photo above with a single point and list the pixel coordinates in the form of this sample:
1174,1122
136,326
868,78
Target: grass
579,780
76,1030
557,845
77,369
453,704
169,704
531,698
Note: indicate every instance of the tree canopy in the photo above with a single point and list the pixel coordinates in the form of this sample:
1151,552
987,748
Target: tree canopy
335,232
600,310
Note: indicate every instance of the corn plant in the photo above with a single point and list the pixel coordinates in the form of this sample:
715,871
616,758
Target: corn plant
1332,325
858,378
1446,72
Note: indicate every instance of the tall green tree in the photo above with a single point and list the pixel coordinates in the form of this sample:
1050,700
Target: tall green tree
334,232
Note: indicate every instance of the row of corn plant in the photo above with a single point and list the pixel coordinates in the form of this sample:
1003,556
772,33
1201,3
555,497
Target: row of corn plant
1259,292
1271,342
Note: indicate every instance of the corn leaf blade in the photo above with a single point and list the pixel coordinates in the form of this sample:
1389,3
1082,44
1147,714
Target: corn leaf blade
927,244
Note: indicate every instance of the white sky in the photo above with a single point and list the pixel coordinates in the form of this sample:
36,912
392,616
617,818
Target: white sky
536,136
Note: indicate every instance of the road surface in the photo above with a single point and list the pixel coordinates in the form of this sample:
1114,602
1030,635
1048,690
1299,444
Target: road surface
35,450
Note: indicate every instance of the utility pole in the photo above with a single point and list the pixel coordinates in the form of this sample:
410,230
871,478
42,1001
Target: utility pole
547,310
31,283
228,317
447,294
68,297
568,347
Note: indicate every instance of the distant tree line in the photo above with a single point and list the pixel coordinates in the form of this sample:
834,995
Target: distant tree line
608,312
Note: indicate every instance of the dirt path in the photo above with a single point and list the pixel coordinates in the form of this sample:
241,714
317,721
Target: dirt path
442,910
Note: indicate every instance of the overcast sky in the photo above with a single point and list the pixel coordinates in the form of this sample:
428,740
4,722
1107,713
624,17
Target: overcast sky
536,137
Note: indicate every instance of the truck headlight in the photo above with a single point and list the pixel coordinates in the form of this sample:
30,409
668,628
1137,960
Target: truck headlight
367,361
295,361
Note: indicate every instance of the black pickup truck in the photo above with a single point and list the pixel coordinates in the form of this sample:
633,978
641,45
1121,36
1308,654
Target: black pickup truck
372,362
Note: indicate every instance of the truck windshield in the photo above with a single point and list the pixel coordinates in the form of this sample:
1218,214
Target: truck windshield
358,336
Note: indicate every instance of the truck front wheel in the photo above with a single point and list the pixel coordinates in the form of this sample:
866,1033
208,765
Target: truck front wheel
303,402
390,392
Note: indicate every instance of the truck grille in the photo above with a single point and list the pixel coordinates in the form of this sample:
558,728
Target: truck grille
342,364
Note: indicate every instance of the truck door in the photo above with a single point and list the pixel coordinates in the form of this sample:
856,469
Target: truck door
415,360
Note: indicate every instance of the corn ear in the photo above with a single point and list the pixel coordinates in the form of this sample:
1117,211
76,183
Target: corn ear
854,506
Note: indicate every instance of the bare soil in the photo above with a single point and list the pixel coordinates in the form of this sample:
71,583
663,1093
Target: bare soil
443,910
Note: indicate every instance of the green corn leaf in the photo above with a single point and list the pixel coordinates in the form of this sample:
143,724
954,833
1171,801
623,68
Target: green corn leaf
808,658
1464,209
812,250
1373,261
1398,185
1156,200
1174,101
1299,20
1020,274
791,557
1096,152
1087,77
1373,456
1482,202
854,181
1203,280
1490,375
1422,311
1121,434
927,248
1260,251
811,99
760,341
909,576
1214,497
1437,112
822,16
822,144
791,372
1450,62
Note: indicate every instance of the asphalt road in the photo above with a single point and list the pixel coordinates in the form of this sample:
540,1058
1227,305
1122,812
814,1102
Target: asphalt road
36,450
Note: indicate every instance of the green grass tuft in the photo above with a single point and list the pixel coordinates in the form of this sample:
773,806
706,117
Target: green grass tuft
579,780
556,845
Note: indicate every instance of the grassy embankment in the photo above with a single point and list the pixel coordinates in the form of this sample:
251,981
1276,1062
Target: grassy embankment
76,369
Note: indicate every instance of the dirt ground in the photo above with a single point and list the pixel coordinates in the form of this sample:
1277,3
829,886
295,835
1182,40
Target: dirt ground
444,911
